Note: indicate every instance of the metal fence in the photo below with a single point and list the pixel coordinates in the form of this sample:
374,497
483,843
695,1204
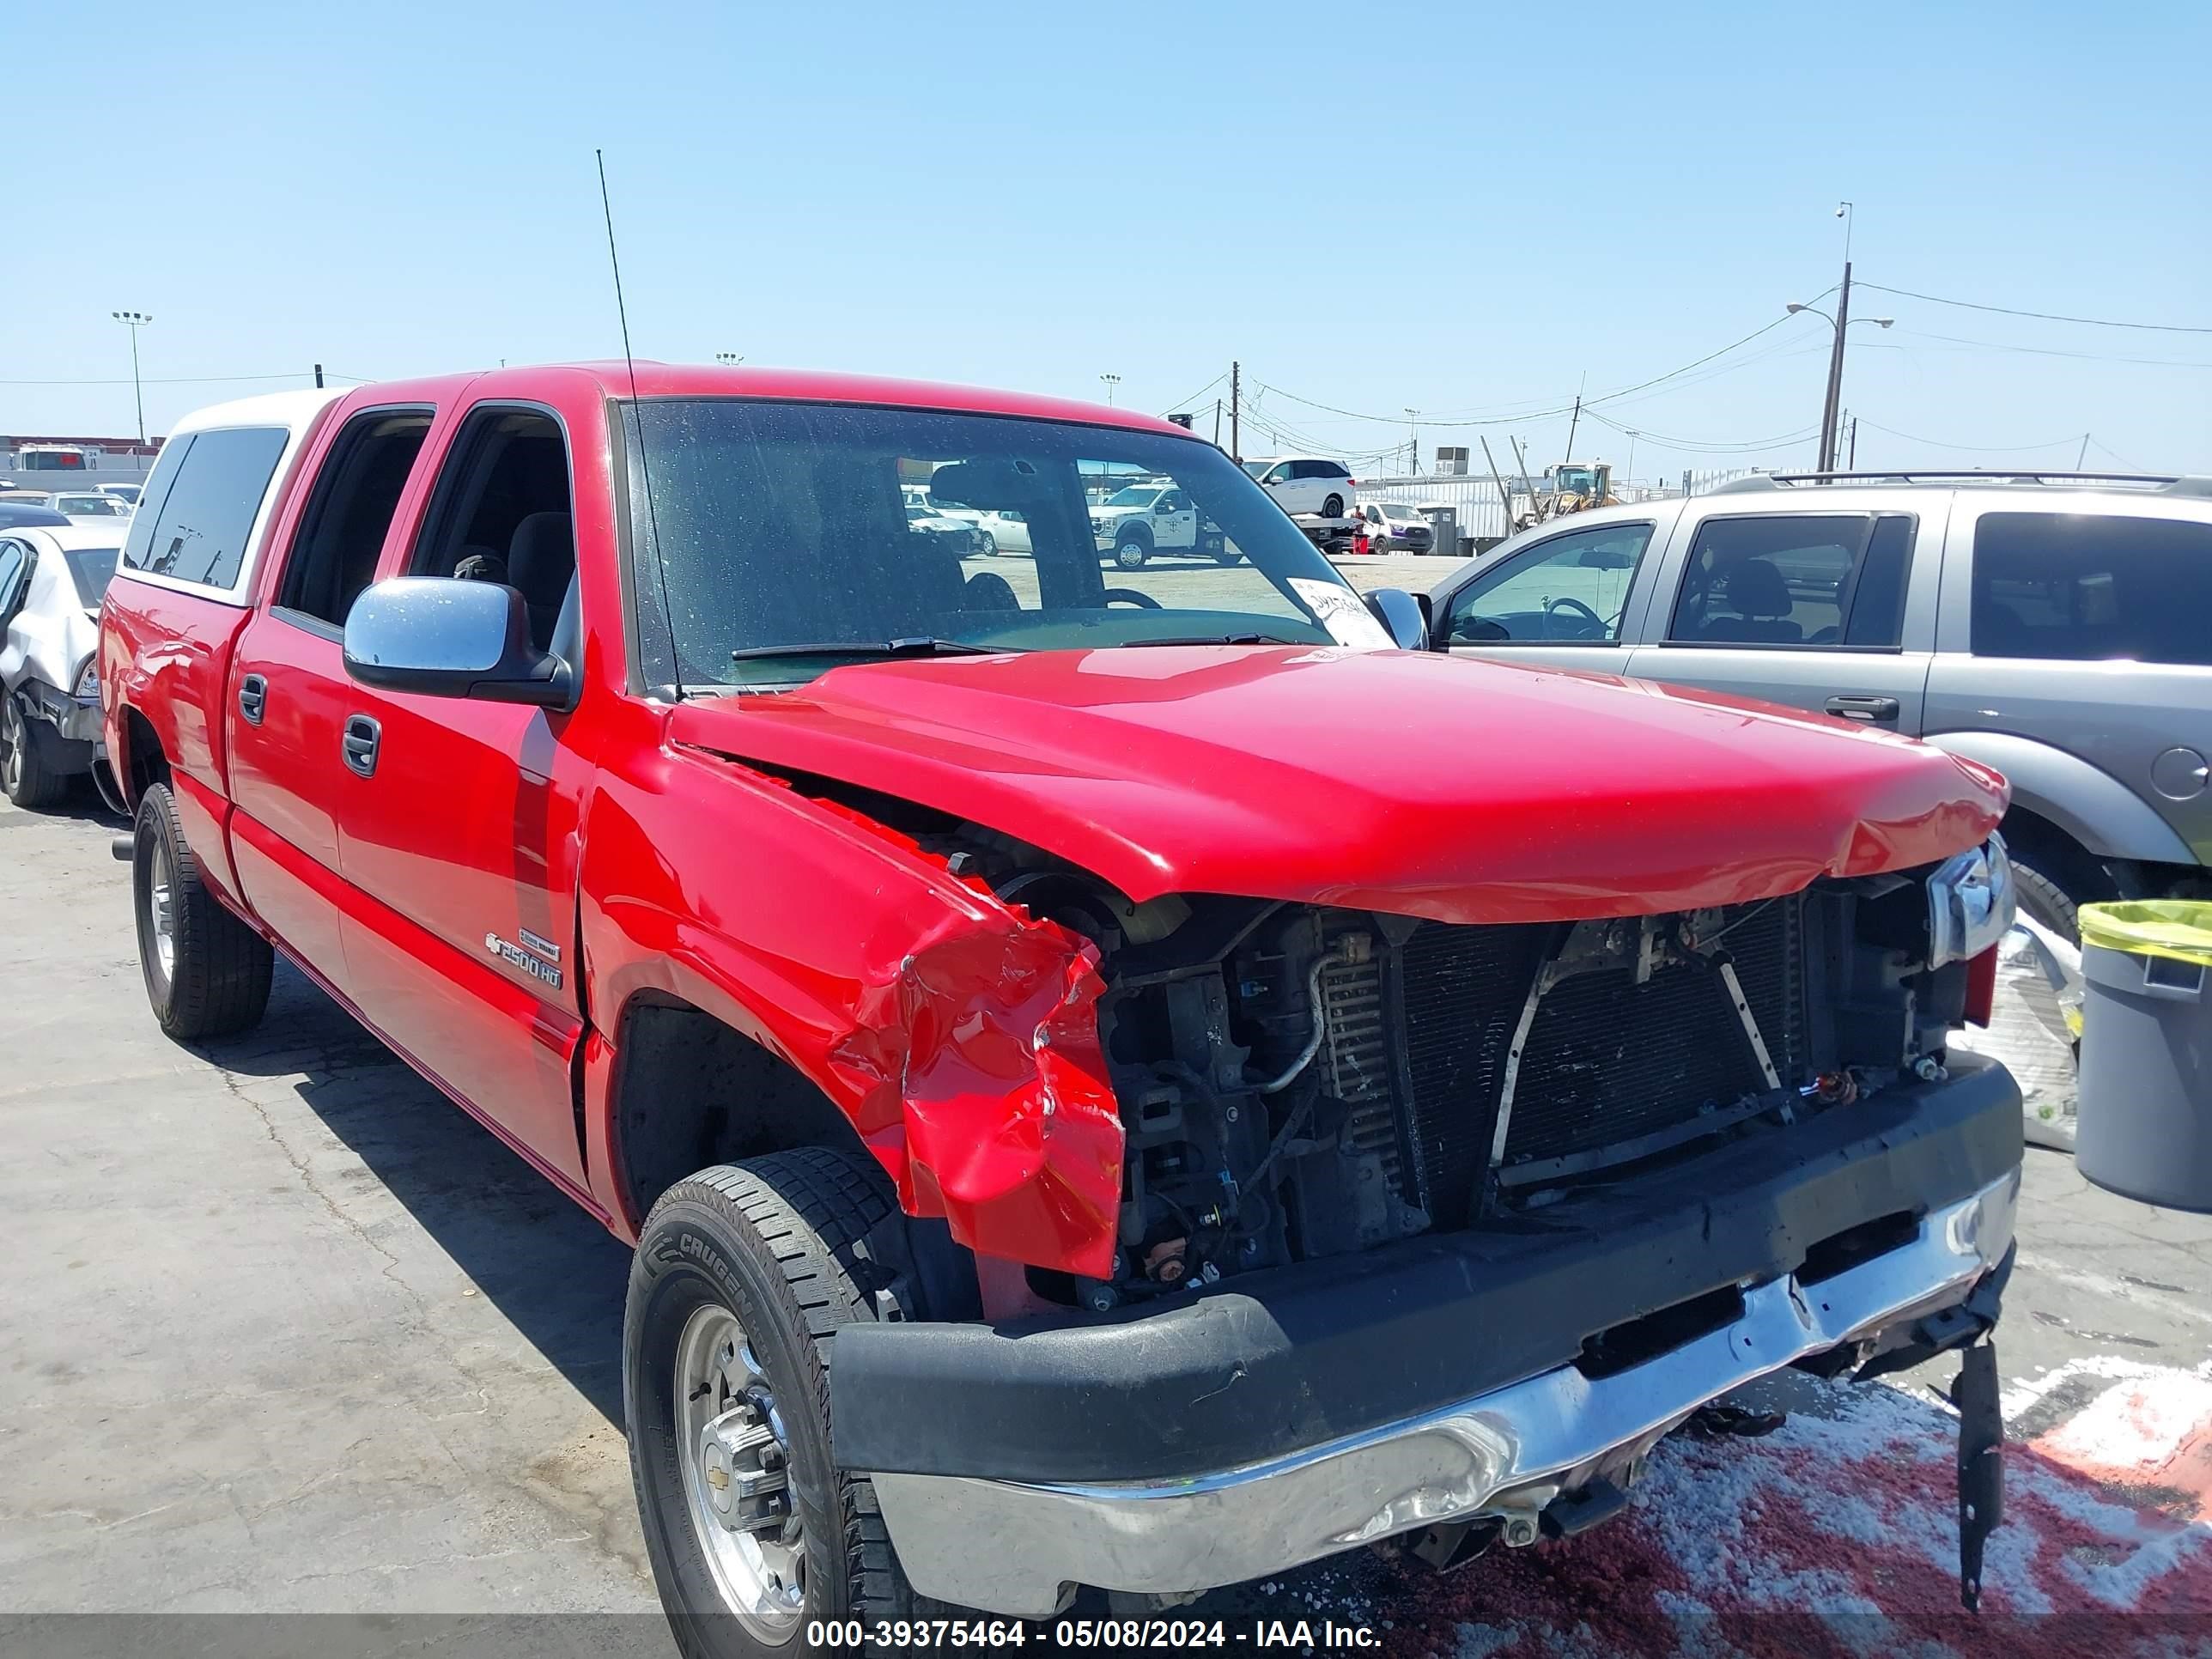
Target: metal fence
1482,516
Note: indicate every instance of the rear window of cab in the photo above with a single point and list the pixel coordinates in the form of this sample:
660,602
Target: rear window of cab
200,503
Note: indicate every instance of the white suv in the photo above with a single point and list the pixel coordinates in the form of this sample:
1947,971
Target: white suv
1305,484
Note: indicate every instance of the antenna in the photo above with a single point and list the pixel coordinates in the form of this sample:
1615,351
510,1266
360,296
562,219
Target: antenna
645,466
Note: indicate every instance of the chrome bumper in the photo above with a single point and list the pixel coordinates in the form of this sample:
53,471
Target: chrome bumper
1010,1549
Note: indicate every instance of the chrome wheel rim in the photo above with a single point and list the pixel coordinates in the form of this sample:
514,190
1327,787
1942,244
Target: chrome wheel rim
161,909
736,1457
11,741
1131,556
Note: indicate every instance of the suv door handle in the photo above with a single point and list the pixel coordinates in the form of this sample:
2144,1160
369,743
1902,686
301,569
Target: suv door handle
253,698
362,735
1864,708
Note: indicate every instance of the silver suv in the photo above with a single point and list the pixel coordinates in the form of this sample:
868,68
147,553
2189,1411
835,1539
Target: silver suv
2055,626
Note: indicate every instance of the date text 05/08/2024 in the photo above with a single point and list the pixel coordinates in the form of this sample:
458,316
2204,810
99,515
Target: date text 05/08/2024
1302,1635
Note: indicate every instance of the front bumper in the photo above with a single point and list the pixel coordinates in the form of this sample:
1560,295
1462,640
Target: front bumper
1110,1454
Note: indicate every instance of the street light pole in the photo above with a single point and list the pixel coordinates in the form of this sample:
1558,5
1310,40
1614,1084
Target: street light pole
135,320
1112,380
1831,427
1412,443
728,359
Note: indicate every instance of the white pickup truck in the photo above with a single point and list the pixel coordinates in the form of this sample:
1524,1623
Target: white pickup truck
1140,520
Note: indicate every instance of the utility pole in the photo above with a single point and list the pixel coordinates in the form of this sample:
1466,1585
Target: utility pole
319,377
1236,412
1505,500
1571,425
1852,465
1217,423
2082,459
1828,425
1413,444
136,320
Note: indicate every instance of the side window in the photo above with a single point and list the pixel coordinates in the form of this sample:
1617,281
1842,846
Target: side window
1279,473
2084,587
138,544
1794,579
15,579
501,513
355,493
1569,590
198,532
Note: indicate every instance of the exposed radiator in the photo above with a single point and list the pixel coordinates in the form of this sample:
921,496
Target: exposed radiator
1357,1063
1610,1069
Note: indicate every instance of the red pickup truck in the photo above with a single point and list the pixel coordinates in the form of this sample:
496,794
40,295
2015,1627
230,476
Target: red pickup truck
1227,1084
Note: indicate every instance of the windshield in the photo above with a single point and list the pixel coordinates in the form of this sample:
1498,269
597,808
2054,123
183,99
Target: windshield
1134,495
1397,510
89,506
784,525
91,569
1255,468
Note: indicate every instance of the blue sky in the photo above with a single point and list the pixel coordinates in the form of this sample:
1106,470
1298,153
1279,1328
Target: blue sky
1469,210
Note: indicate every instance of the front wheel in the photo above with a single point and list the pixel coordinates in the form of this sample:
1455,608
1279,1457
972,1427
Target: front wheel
744,1275
1332,508
989,550
1131,552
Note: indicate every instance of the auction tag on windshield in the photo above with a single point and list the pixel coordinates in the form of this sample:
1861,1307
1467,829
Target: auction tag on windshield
1342,612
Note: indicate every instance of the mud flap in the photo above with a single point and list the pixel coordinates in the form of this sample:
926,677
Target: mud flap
1981,1465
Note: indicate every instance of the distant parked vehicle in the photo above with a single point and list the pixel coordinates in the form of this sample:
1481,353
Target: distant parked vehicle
123,492
88,504
51,582
1305,484
2057,628
1394,527
956,536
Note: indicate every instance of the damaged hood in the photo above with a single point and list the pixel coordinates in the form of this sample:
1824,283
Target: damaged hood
1451,788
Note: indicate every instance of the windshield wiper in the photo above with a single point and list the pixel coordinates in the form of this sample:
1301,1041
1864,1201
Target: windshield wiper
915,645
1216,639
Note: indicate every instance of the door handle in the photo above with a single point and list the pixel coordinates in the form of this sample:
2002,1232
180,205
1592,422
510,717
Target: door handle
1864,708
253,698
362,735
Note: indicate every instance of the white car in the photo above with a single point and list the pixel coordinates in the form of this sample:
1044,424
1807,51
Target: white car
1305,484
125,492
50,583
997,531
88,504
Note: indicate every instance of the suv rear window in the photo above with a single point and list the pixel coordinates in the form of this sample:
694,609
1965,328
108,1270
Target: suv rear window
1796,580
197,530
2084,587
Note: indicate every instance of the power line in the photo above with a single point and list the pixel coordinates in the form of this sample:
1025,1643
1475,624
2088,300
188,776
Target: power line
1708,446
1196,395
1979,449
1562,409
2051,351
2041,316
183,379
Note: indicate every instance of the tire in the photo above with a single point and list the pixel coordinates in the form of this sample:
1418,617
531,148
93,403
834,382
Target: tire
1225,557
215,980
772,1250
1332,507
1131,552
31,782
990,548
2046,901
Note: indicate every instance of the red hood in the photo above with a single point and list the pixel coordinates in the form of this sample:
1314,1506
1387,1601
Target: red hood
1430,785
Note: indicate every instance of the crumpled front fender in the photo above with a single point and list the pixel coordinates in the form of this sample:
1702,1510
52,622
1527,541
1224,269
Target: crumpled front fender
985,1092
